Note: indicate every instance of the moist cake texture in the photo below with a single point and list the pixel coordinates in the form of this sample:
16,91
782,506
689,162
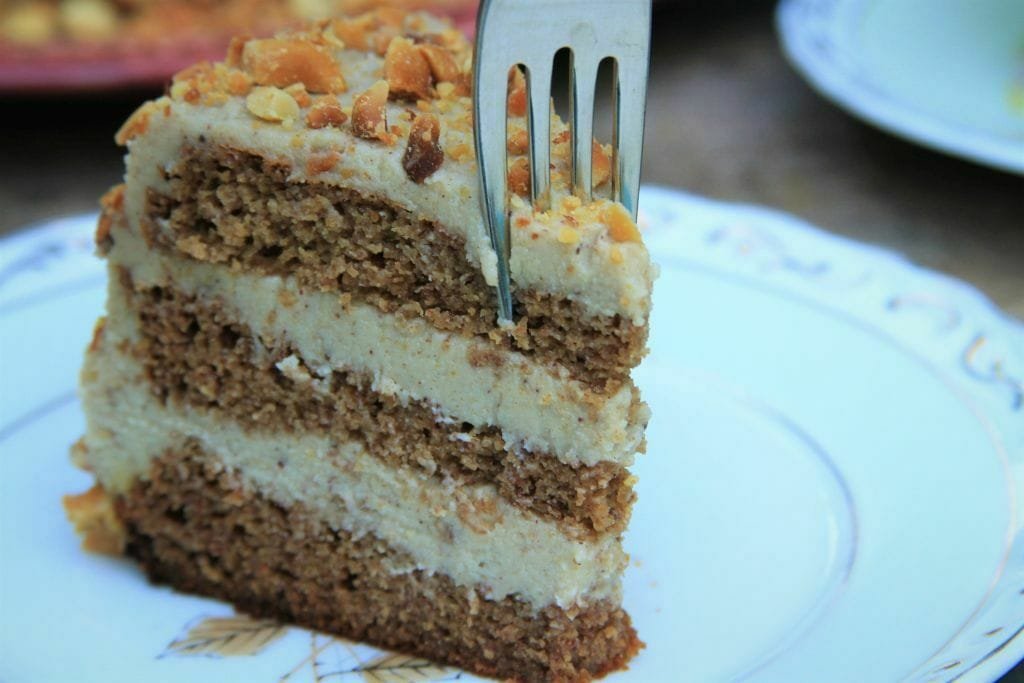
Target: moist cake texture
301,400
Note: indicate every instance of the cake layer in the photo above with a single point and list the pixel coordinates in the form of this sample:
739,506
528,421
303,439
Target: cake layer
469,533
536,409
194,353
228,206
195,525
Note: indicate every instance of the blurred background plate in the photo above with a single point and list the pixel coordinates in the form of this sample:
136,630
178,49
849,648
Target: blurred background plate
89,45
947,75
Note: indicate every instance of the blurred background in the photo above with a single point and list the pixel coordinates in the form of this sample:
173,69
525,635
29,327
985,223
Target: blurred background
728,117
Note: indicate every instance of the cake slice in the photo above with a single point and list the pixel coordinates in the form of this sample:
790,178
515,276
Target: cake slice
300,400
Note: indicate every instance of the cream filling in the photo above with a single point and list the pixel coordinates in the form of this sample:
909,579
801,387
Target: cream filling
536,408
605,277
467,533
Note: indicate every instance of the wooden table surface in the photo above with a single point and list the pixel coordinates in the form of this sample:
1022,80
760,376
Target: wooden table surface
727,118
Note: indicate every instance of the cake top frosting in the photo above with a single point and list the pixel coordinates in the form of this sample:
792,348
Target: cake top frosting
394,84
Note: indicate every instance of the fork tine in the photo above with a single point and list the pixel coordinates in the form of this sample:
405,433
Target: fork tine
584,83
539,131
490,115
630,97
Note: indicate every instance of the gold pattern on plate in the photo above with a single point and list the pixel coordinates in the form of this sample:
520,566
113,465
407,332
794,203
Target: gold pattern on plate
330,658
226,637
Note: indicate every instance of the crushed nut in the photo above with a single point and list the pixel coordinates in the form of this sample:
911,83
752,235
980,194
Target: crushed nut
443,66
568,236
298,91
601,165
235,48
519,177
460,152
518,141
239,83
620,224
326,111
406,70
281,62
322,162
423,154
137,124
272,104
354,31
516,93
369,113
391,16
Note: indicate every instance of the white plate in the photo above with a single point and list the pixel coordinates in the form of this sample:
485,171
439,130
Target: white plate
948,75
831,490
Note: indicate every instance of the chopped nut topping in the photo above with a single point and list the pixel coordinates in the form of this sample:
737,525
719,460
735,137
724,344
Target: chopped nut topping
423,154
460,152
391,16
443,66
354,31
322,162
298,91
568,236
239,83
235,48
326,111
519,177
406,70
518,142
280,62
620,224
369,113
137,124
601,166
516,93
272,104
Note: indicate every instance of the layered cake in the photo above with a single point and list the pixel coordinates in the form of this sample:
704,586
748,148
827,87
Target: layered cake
301,400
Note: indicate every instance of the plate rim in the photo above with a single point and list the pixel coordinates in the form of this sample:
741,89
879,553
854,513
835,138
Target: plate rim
802,40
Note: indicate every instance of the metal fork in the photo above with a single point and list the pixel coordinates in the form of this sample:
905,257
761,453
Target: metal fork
528,33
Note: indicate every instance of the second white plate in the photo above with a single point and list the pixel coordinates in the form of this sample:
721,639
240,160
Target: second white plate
948,75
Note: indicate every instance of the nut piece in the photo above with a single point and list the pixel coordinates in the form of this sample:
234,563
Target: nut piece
423,154
137,124
272,104
326,111
322,162
516,92
406,70
601,165
369,113
519,177
354,31
280,62
442,63
94,518
620,224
